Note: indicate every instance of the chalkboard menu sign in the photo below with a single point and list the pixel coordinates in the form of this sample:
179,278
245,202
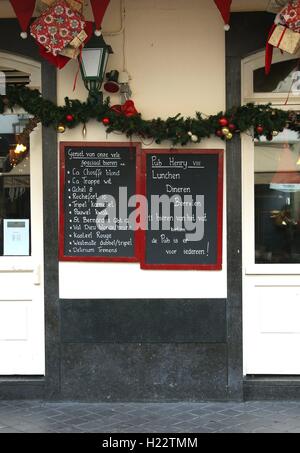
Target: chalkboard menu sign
185,192
93,221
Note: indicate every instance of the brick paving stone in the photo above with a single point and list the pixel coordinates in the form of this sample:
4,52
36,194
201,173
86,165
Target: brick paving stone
249,417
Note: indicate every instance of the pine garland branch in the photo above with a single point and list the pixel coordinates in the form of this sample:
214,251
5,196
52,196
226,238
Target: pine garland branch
261,119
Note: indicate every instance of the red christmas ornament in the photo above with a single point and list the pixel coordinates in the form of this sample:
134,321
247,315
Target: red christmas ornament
70,118
219,133
260,130
232,127
106,121
223,121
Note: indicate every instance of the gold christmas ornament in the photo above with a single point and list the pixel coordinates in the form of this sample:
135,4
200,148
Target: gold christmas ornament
61,128
84,131
229,136
275,133
194,138
225,131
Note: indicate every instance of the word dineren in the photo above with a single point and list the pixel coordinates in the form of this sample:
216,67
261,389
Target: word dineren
162,208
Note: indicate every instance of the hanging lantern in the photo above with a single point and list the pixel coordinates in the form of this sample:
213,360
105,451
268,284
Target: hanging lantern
93,63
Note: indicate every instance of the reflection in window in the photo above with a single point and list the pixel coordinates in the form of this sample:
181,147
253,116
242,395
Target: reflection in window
277,203
14,187
283,78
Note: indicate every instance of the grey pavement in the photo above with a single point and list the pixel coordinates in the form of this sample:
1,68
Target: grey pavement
249,417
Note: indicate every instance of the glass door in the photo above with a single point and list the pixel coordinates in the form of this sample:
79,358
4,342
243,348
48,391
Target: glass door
22,342
271,226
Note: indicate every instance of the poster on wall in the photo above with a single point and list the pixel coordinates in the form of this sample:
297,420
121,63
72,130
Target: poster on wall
16,237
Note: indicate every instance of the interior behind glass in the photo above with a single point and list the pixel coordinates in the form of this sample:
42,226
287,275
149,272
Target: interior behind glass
14,186
277,202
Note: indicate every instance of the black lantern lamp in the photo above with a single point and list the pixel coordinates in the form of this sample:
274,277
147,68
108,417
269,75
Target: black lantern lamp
93,63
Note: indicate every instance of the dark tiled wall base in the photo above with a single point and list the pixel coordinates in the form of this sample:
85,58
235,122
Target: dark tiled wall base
143,321
135,372
23,389
272,389
143,350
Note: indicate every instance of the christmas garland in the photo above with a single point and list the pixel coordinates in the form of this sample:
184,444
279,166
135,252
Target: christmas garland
263,120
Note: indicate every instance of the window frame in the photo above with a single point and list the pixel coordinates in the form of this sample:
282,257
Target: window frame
248,66
257,61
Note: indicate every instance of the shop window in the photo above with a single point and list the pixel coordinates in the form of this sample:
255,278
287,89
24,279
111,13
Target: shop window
284,77
14,187
281,84
277,203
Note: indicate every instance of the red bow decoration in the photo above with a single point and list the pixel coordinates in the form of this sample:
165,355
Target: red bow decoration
128,109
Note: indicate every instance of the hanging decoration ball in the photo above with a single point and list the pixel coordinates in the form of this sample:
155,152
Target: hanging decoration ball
194,138
84,131
24,35
227,27
275,133
70,118
223,121
61,128
225,131
190,133
232,127
106,121
98,33
259,130
219,133
270,137
229,136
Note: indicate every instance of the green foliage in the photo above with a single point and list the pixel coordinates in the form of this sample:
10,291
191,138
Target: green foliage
177,130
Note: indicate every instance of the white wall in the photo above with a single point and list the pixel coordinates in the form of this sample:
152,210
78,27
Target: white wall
174,52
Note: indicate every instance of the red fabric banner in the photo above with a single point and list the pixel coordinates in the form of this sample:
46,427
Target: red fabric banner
224,7
99,8
24,11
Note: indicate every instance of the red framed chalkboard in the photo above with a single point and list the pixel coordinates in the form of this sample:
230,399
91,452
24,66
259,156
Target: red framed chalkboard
88,170
184,175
